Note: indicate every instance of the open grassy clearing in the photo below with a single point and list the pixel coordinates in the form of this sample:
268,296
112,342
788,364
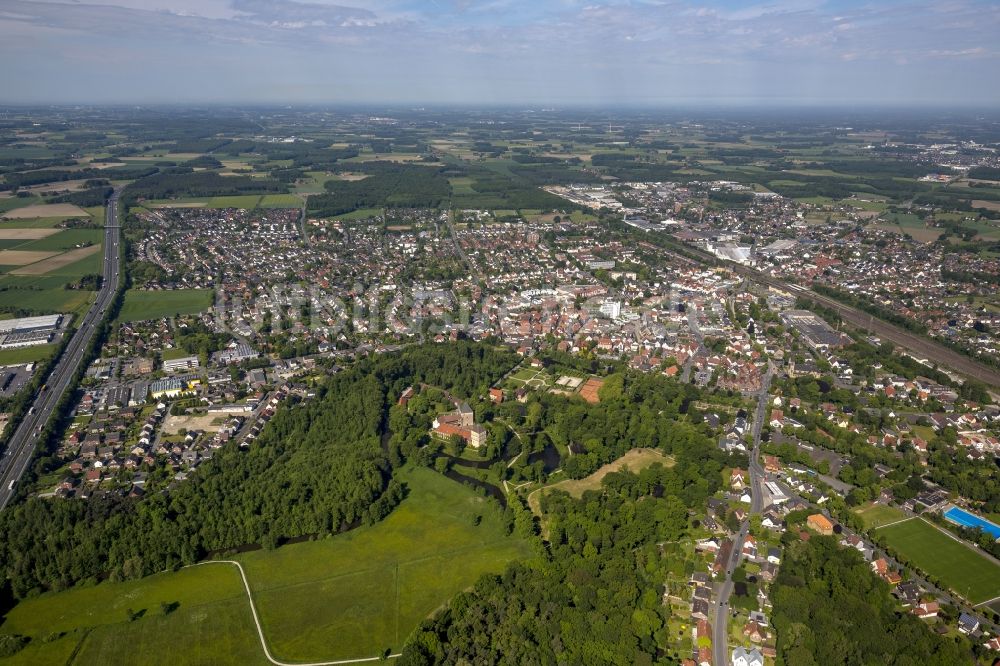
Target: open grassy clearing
43,299
362,592
634,460
353,595
141,304
280,201
21,355
957,565
240,201
212,614
877,515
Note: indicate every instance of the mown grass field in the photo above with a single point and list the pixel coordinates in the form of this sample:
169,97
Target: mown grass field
21,355
143,304
353,595
363,592
212,615
634,460
877,515
43,294
962,569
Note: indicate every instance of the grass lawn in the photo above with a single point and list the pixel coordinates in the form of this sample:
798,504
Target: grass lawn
352,595
280,201
964,570
362,592
212,614
21,355
141,304
243,201
877,515
634,460
47,299
174,353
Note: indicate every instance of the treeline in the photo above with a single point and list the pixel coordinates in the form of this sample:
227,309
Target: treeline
985,173
389,185
94,196
316,469
183,182
28,178
975,277
871,308
951,469
829,608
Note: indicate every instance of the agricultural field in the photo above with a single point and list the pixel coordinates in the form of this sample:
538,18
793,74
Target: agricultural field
353,595
38,259
956,564
141,304
45,210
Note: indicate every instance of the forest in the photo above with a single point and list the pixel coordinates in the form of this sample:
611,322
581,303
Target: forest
317,468
829,608
388,185
594,593
184,182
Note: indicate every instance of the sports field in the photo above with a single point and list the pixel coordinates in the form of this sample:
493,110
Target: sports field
353,595
877,515
958,566
141,304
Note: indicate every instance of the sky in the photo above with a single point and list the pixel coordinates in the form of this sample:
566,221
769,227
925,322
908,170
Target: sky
557,53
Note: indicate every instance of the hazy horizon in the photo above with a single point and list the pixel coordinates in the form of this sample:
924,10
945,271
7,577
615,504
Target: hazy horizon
565,53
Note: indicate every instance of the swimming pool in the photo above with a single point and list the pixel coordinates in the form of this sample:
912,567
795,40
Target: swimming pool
966,519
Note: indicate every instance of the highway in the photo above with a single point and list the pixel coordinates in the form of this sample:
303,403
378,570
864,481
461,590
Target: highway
20,449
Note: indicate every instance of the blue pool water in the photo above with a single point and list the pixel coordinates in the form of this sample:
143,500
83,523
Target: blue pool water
966,519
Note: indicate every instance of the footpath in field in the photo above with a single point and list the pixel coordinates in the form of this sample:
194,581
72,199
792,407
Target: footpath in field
355,595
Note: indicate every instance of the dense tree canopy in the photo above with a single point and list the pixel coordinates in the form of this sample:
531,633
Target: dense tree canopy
829,608
317,468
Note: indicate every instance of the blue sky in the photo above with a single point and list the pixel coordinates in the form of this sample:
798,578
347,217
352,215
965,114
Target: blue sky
488,52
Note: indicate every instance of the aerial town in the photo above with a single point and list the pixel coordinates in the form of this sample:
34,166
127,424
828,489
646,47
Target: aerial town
654,394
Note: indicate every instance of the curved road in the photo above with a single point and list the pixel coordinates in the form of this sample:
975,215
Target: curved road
20,449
